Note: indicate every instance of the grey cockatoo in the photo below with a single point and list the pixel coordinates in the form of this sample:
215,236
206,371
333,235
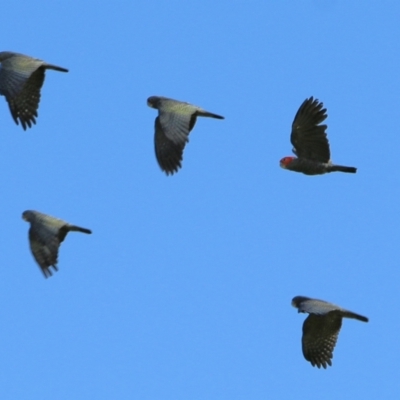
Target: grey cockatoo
45,236
172,127
21,78
310,142
321,328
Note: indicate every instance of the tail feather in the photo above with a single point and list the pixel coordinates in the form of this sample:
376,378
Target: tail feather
342,168
55,67
208,114
349,314
79,229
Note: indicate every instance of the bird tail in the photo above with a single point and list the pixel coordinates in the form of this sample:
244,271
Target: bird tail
79,229
55,67
208,114
349,314
341,168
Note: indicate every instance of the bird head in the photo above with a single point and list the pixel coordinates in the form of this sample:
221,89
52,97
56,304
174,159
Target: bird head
285,161
153,101
27,215
296,301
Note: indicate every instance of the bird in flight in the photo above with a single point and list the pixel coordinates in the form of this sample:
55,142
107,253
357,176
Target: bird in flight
321,328
21,78
45,236
172,126
310,142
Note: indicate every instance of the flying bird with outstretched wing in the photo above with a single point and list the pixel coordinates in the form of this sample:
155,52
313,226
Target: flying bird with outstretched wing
310,142
321,328
21,78
173,124
46,233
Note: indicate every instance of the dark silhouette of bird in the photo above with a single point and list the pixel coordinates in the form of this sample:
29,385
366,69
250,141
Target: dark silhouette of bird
45,236
21,78
310,142
321,328
172,127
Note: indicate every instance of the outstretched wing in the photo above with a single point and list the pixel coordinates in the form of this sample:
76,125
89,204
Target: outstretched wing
24,106
169,147
21,79
320,333
177,119
308,137
44,244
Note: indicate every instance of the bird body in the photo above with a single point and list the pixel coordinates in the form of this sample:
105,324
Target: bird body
310,142
21,78
45,236
321,328
309,167
172,127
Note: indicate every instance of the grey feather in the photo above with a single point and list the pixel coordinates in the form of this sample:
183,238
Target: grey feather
172,127
46,233
321,328
21,78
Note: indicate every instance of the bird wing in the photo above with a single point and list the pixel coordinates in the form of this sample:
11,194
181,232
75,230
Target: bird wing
44,245
308,137
320,333
177,121
14,73
168,152
24,105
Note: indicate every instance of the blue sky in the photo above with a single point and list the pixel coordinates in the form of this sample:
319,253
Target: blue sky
184,289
